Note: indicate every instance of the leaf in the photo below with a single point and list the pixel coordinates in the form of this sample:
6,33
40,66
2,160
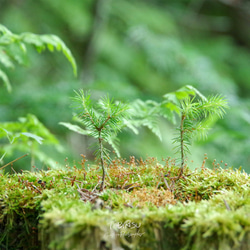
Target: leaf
3,156
30,135
183,93
5,59
146,114
33,125
41,42
6,81
75,128
4,30
6,134
197,92
214,106
168,110
16,53
129,124
171,97
180,95
113,142
13,49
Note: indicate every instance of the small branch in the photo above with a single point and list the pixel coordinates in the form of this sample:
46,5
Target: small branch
13,161
36,189
13,170
166,183
72,179
227,205
95,187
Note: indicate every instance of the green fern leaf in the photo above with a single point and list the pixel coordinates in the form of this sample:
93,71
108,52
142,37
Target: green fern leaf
5,79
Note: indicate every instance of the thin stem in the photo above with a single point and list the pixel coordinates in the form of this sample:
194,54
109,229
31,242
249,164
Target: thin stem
32,161
102,160
13,161
183,117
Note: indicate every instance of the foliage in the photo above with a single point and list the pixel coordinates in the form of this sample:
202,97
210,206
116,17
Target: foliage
145,113
197,114
13,49
102,121
26,135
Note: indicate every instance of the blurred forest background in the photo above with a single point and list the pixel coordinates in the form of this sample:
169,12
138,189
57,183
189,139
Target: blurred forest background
131,49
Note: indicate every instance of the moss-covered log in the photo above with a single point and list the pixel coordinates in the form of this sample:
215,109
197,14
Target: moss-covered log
144,206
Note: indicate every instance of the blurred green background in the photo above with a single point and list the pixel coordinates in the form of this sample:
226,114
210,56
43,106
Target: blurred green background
133,49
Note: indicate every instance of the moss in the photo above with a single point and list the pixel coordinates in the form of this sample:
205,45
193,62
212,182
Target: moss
144,207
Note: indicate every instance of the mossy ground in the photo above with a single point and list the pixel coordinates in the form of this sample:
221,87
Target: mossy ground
144,204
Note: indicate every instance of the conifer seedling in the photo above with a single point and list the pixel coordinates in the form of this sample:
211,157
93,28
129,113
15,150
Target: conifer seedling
196,113
102,120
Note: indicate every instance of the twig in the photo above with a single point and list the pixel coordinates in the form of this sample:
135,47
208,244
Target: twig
13,170
128,186
173,185
13,161
72,179
227,205
92,198
133,187
124,184
87,195
128,205
85,190
36,188
83,195
95,187
166,183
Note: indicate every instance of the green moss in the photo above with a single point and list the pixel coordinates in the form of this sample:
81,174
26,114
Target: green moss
211,211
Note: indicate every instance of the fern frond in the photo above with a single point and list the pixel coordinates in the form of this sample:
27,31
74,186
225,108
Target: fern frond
13,49
114,143
5,59
74,128
50,42
168,110
6,81
146,114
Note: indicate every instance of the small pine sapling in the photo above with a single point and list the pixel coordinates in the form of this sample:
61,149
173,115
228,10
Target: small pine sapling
102,120
196,113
